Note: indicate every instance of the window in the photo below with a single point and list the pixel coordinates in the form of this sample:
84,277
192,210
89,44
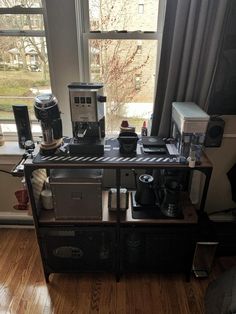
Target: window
108,33
141,8
139,47
24,71
137,82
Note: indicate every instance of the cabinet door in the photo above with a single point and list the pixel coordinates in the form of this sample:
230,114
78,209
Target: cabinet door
157,249
78,249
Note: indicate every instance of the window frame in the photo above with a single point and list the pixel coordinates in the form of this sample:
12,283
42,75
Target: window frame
84,35
16,10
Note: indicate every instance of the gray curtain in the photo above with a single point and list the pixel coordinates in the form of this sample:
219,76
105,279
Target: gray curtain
192,37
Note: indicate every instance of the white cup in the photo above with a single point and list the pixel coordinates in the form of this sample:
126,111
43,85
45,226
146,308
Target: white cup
46,197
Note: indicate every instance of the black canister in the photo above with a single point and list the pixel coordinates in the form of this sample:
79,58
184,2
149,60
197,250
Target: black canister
128,142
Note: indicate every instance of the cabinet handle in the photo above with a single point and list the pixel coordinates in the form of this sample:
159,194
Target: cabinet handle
76,196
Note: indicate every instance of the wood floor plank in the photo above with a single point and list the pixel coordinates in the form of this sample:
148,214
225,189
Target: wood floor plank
23,289
121,296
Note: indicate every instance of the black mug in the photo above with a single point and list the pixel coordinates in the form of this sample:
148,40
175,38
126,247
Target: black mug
128,142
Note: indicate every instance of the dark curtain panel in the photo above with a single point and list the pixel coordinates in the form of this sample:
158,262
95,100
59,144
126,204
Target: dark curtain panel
192,37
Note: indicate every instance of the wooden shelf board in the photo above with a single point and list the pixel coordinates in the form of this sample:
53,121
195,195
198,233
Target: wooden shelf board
189,213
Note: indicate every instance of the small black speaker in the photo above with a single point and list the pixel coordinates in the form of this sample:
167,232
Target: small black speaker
22,124
214,133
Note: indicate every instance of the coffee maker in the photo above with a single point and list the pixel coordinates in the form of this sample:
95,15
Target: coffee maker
47,112
88,120
157,195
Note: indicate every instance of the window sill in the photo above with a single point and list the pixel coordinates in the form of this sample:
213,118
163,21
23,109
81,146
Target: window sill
10,153
11,149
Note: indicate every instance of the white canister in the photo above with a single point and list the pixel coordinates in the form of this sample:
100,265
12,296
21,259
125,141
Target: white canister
46,197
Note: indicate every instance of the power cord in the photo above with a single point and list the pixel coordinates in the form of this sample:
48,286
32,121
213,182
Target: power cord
4,171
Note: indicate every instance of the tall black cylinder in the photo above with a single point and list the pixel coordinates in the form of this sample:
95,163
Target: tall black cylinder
22,124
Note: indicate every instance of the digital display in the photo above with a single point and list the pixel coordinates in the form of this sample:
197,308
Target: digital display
82,100
88,100
76,100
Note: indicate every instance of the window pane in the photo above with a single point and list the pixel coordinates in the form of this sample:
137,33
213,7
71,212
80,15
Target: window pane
128,79
24,72
107,15
11,128
22,22
23,3
6,106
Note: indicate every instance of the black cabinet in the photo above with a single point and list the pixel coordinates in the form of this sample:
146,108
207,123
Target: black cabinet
157,249
117,241
73,249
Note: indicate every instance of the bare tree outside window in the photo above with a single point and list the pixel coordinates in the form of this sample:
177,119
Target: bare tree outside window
117,63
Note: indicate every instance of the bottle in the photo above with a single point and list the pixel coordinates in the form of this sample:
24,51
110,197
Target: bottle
46,196
191,159
150,125
144,129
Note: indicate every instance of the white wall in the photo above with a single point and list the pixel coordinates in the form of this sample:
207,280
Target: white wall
9,185
10,155
222,158
63,53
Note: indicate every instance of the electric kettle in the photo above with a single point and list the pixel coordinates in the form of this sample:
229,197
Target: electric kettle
145,194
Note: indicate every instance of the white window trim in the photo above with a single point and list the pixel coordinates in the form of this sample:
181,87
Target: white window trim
20,10
84,35
12,136
28,33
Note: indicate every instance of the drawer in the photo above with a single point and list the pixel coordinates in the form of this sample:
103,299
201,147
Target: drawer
78,249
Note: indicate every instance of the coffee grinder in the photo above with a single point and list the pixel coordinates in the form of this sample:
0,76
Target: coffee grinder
88,120
47,112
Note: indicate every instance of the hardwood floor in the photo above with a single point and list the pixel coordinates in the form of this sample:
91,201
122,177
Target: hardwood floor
23,288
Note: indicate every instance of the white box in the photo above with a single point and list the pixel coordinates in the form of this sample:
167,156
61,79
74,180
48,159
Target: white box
189,118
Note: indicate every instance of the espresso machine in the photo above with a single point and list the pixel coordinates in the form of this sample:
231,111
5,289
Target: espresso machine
47,112
88,120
